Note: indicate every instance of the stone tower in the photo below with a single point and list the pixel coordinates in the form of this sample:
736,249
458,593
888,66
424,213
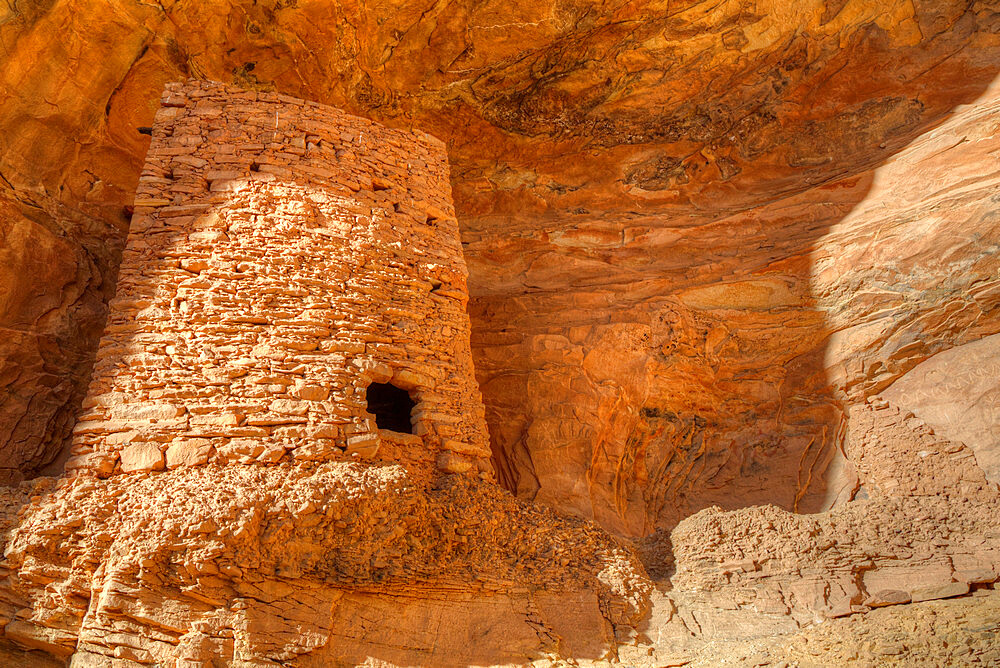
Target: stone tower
293,287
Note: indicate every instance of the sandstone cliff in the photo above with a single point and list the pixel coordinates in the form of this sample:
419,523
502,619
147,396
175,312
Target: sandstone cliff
700,236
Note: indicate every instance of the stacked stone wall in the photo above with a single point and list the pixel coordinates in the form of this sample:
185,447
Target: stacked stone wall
283,256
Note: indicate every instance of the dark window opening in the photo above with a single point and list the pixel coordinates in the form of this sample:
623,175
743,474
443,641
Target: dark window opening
391,407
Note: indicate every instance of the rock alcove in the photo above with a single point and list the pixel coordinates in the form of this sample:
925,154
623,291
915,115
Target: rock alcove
702,240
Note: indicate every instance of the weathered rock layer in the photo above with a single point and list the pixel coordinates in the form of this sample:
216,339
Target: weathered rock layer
310,564
643,177
700,235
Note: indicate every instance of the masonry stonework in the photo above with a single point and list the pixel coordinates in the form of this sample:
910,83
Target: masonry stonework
283,256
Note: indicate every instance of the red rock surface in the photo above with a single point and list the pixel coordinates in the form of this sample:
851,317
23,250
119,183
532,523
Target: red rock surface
607,161
231,496
923,526
699,234
721,382
305,565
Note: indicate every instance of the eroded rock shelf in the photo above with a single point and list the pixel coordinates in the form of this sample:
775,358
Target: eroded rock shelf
695,305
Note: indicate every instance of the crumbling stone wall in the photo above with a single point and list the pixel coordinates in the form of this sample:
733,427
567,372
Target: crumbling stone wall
921,526
283,256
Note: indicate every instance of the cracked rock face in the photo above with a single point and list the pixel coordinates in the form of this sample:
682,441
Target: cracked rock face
235,494
666,211
306,564
699,236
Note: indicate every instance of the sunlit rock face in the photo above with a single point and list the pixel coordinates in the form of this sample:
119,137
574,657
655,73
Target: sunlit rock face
289,332
957,392
693,229
718,253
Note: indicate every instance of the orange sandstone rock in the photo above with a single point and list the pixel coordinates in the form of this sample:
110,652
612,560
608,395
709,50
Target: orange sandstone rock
252,304
699,236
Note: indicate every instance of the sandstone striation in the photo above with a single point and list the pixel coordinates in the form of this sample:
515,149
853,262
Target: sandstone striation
955,392
647,177
922,527
718,253
755,586
216,507
307,564
704,357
